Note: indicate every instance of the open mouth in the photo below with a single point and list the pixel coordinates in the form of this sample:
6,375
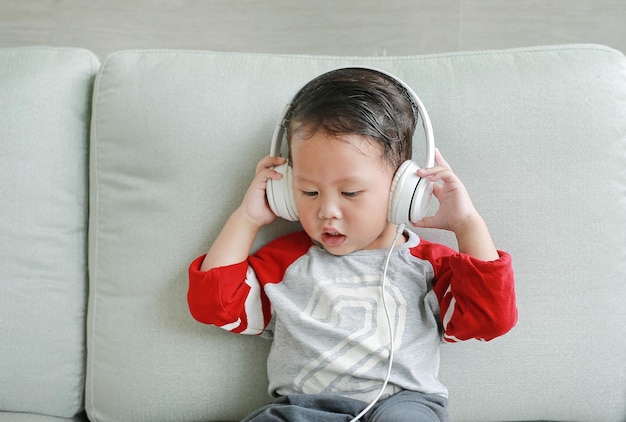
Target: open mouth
333,238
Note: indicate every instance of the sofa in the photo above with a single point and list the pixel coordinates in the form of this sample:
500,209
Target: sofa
117,172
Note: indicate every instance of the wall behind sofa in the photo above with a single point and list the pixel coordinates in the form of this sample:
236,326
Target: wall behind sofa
337,27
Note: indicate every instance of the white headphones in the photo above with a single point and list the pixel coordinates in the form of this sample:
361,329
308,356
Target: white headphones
409,195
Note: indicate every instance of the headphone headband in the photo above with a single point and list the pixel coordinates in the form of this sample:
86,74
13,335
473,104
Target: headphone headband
282,122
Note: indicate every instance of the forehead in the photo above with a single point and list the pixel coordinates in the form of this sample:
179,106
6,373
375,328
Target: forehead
324,143
345,156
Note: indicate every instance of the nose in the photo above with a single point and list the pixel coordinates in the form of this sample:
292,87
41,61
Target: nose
329,208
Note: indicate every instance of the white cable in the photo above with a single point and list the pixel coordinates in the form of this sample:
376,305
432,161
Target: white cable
389,326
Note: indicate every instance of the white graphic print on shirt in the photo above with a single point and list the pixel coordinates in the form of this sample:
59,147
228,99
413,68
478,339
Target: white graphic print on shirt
339,302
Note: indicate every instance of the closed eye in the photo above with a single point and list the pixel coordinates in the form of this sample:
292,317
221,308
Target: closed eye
309,194
350,194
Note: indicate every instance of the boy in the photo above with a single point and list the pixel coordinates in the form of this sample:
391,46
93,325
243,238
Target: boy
317,294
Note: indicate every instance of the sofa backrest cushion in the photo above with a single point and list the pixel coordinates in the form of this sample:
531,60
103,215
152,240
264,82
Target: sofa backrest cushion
45,102
536,134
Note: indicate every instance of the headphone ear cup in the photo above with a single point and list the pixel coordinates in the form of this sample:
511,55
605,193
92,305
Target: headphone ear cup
279,194
409,195
421,199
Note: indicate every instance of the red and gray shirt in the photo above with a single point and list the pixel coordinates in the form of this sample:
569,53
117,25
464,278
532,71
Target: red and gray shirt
325,315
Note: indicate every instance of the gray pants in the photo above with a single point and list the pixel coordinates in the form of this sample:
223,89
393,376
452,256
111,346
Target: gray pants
406,406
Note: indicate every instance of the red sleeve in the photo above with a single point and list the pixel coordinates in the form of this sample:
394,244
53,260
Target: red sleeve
476,298
232,297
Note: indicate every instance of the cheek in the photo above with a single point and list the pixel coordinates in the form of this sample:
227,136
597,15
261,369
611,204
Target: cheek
308,219
377,205
369,210
305,210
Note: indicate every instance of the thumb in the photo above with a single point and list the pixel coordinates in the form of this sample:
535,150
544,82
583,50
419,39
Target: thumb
426,222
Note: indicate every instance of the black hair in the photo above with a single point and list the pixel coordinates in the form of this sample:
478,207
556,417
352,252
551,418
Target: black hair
361,101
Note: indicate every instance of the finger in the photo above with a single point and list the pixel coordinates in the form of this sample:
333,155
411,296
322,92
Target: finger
274,161
430,171
269,162
269,173
437,190
426,222
436,174
440,160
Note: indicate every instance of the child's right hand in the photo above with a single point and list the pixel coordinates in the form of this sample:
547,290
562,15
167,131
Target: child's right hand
254,205
235,240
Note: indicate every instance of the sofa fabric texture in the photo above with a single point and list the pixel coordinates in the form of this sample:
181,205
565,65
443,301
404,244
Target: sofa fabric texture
116,175
45,97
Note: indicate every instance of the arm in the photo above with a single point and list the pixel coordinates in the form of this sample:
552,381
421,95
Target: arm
235,240
479,301
476,297
229,297
475,288
233,297
457,213
223,289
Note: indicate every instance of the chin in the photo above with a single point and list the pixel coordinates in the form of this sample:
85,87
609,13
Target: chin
338,250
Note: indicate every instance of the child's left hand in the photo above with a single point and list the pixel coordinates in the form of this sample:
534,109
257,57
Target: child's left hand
457,213
455,205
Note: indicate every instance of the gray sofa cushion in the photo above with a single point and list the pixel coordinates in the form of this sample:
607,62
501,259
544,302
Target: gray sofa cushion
45,98
537,135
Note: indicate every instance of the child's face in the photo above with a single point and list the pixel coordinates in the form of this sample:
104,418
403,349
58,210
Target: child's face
341,189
